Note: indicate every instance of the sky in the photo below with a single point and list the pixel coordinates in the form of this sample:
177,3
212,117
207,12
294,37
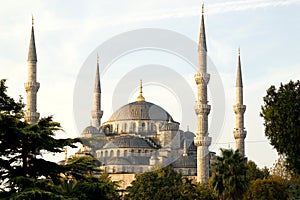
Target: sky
69,34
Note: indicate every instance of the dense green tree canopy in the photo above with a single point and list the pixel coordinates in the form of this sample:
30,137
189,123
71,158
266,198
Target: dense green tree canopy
165,184
253,172
229,175
266,189
281,113
25,174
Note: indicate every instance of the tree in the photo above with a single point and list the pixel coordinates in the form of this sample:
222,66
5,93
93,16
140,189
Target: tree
84,181
279,169
281,113
229,175
22,146
270,189
79,168
166,184
254,172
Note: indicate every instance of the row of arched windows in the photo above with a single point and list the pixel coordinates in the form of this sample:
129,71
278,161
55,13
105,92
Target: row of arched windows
123,153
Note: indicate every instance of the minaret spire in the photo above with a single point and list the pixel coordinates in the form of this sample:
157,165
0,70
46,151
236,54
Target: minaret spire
140,98
202,37
202,109
97,113
239,109
31,86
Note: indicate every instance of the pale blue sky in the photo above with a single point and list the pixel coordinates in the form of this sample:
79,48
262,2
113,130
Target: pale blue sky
67,32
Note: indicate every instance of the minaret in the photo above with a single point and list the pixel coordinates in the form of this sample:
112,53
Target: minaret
239,109
31,86
202,109
97,113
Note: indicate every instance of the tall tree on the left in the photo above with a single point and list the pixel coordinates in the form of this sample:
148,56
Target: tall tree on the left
22,146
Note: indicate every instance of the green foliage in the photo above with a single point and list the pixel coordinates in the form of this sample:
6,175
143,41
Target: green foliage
165,184
79,168
279,169
24,174
229,175
270,189
281,113
253,172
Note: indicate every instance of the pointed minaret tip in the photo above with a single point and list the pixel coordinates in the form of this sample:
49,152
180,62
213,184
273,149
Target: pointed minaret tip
32,20
202,37
97,88
140,98
32,50
239,82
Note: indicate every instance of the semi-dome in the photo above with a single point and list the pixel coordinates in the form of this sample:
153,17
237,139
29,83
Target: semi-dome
185,162
128,142
89,131
141,110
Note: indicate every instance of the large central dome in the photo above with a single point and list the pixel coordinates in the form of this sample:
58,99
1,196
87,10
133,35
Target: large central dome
141,111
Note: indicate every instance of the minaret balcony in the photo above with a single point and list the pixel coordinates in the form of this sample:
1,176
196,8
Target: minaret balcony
31,117
97,114
239,109
239,134
202,141
202,78
202,109
32,86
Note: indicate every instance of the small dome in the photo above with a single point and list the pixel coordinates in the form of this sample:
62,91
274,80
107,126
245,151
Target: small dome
90,131
188,135
185,162
128,142
141,111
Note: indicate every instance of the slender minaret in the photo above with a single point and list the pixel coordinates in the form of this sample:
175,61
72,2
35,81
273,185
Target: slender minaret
31,86
239,109
97,113
202,109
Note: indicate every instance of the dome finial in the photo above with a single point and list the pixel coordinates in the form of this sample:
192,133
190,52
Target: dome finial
140,98
32,20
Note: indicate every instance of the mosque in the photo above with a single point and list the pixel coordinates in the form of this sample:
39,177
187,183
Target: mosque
141,135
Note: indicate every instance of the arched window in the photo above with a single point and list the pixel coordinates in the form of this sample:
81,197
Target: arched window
125,153
118,153
125,127
143,127
133,127
106,154
101,154
132,152
111,153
